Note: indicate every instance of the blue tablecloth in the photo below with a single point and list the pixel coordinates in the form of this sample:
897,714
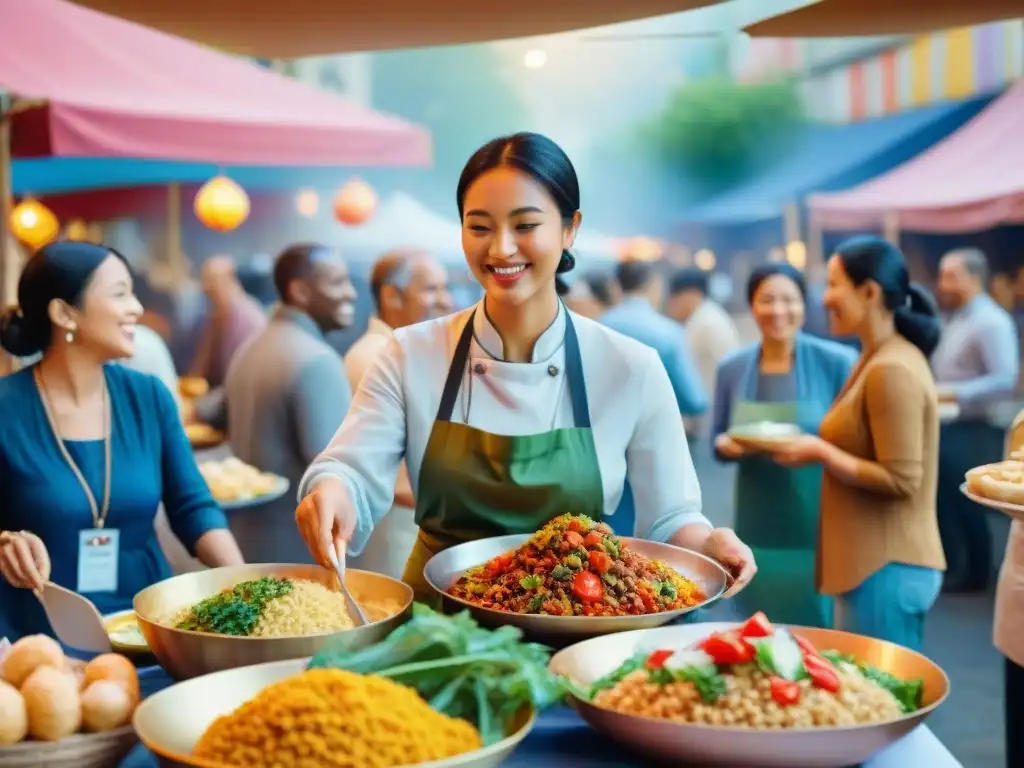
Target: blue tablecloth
562,739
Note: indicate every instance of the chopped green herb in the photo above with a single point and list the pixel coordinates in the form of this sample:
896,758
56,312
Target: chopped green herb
909,693
235,611
535,603
616,676
561,573
531,582
611,545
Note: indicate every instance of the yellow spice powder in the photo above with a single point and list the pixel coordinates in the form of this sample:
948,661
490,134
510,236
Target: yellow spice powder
331,717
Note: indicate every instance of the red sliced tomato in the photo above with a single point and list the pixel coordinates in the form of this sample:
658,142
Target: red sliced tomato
576,525
757,626
499,565
573,539
650,604
785,692
823,675
806,646
600,561
587,587
657,659
593,539
727,648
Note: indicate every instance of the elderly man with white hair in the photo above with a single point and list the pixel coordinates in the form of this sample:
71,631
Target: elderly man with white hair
408,286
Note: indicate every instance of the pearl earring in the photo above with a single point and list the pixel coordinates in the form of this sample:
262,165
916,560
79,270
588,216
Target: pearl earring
70,336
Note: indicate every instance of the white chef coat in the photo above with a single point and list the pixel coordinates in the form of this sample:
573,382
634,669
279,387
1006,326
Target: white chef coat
633,411
1009,624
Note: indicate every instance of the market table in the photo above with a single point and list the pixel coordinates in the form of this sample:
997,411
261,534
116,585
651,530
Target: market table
561,738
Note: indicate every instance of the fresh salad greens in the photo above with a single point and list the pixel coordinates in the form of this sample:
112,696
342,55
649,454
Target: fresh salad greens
461,669
663,668
909,693
235,611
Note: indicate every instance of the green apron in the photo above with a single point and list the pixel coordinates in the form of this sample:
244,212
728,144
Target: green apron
474,484
777,511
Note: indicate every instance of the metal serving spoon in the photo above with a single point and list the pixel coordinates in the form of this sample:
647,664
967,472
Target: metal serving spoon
338,561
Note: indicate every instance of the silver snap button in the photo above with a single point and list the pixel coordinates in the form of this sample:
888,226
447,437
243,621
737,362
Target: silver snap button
479,369
552,370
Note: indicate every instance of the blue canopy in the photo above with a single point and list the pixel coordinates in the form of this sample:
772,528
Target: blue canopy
826,158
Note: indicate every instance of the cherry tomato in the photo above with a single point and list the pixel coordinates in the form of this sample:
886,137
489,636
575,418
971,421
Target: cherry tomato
587,587
593,539
785,692
757,626
573,539
657,659
727,648
600,561
823,675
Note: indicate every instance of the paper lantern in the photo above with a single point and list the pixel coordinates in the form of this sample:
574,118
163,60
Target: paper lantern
77,230
221,204
33,224
307,203
355,203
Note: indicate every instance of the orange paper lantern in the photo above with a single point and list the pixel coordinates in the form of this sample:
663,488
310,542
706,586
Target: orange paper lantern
355,203
221,204
77,230
33,224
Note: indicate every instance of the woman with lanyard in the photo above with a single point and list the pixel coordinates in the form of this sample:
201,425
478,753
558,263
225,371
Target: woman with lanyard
88,450
516,410
791,378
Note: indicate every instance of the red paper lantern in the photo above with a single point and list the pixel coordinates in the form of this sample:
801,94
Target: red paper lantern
355,203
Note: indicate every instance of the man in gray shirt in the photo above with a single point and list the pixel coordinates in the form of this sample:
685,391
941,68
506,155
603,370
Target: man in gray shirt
976,364
287,393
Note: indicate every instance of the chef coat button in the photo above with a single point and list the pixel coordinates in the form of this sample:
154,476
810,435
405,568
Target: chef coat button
552,370
479,369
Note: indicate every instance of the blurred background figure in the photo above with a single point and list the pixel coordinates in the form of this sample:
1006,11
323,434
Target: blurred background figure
580,298
710,331
408,287
152,356
287,393
976,365
233,318
789,378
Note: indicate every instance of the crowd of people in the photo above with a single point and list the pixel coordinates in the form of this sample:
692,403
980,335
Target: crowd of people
549,395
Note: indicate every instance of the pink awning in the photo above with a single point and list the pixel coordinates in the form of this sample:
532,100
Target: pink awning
974,180
109,87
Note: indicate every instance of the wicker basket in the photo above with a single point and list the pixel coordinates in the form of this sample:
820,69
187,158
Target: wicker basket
86,750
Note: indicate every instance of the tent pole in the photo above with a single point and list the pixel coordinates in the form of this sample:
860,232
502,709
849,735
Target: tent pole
5,200
174,255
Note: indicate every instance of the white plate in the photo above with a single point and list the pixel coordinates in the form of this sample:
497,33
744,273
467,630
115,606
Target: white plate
1016,511
280,489
765,435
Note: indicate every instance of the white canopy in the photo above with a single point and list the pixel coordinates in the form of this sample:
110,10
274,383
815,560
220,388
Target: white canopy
403,221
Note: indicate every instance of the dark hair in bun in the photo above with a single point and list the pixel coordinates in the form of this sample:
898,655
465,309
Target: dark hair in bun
61,270
915,313
539,158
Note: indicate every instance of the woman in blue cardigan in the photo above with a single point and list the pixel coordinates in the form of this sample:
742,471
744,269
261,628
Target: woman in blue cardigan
789,377
88,450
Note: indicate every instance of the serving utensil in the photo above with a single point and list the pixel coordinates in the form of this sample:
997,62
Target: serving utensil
737,747
171,721
337,554
75,619
185,654
446,567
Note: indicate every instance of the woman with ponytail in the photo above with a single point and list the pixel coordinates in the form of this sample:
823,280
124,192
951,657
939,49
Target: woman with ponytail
89,450
516,410
879,551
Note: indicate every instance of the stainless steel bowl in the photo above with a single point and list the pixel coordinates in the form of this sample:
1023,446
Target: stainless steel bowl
170,722
737,747
187,654
446,567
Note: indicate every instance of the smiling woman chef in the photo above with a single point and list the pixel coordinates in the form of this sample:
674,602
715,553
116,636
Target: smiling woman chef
516,410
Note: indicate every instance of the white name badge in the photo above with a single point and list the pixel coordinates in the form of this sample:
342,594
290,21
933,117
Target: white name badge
98,550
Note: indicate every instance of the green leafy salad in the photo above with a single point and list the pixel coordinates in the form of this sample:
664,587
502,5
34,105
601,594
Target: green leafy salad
488,677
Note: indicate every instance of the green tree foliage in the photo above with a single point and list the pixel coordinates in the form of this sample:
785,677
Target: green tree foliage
463,94
717,131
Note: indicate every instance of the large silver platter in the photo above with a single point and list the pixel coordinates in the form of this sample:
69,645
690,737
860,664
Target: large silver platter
172,721
742,747
186,654
446,567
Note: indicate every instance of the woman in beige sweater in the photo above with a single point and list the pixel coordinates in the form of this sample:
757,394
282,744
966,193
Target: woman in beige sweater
879,551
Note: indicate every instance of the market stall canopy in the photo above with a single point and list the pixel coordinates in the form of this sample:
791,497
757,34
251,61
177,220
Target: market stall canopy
97,85
403,221
826,158
972,181
283,30
849,18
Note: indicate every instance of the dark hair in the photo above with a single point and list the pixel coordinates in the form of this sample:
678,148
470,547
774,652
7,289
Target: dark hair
600,285
61,270
295,263
915,313
632,274
688,279
390,269
762,272
539,158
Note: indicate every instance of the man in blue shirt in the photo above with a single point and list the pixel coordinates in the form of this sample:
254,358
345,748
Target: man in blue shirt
637,316
976,365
